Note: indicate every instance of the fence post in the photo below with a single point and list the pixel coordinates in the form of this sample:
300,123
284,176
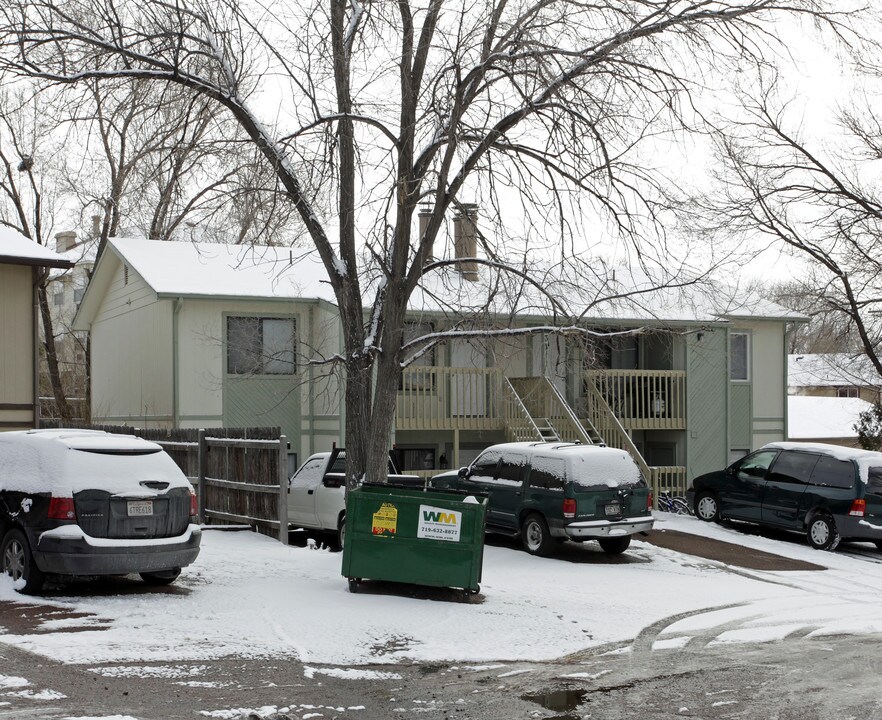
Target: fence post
283,489
202,460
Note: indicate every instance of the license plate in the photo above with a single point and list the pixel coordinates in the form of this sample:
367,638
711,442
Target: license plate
613,509
140,507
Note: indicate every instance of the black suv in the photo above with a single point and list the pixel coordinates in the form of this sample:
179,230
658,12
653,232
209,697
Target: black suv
828,492
80,502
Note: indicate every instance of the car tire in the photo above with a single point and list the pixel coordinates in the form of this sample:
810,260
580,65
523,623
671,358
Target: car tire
822,533
341,533
166,577
614,545
18,562
707,507
535,536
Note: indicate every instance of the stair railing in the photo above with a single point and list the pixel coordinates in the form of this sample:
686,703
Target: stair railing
519,424
611,430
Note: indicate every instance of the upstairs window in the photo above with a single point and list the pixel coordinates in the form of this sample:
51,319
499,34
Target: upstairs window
739,356
261,346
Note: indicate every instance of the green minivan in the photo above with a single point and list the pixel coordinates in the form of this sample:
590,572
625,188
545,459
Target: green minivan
830,493
553,492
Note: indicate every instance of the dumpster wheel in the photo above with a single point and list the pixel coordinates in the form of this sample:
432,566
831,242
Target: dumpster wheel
467,594
353,584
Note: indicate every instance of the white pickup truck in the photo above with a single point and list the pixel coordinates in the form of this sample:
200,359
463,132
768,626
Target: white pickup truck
316,496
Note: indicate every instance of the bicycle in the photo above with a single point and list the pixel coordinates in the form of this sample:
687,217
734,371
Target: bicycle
673,504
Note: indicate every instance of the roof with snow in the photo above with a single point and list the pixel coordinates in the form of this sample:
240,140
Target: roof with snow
831,370
186,269
16,249
820,418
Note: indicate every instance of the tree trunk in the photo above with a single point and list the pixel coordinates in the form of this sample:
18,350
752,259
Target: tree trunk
51,352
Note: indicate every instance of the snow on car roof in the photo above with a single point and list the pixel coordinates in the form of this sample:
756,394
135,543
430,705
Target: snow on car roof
93,440
865,459
64,462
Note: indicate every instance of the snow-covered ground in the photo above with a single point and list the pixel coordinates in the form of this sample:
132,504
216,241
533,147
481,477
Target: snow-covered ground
250,596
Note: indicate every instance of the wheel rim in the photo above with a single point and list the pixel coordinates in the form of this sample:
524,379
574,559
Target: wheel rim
534,535
342,535
820,532
707,507
14,560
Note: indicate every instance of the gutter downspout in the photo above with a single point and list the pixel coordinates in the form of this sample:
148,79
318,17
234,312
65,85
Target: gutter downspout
35,380
179,302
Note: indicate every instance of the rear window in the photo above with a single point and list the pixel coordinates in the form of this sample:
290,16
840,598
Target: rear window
874,479
605,469
830,472
548,473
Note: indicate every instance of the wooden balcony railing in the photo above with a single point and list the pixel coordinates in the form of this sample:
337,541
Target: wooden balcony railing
640,399
445,398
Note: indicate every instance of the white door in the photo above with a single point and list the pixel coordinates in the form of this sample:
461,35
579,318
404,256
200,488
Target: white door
468,391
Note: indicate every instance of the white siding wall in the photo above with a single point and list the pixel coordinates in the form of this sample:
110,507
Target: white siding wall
132,355
16,347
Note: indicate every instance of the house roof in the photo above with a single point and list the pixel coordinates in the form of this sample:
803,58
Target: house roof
205,270
16,249
831,370
823,417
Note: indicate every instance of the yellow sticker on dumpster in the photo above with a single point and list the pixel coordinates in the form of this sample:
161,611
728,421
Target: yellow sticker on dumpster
385,520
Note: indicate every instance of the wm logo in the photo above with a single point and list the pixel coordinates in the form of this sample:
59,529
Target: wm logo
439,517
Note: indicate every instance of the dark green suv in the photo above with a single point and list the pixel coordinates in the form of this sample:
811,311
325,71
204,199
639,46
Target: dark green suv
551,492
826,491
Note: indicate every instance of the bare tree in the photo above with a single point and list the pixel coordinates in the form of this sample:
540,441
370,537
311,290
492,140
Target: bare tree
821,203
534,107
28,174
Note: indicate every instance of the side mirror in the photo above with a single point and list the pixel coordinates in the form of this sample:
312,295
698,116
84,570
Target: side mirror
464,473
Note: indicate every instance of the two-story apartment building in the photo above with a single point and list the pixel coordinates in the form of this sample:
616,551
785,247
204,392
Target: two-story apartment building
199,335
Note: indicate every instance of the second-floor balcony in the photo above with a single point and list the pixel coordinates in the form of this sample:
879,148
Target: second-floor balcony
640,399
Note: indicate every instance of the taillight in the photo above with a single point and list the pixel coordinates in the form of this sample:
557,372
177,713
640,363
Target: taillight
61,508
858,508
569,508
194,506
649,500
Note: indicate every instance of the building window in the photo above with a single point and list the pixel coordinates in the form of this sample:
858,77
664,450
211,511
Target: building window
848,392
261,346
58,298
739,356
78,295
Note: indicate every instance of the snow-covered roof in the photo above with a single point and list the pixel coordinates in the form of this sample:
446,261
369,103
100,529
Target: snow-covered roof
16,249
831,369
185,269
216,270
821,418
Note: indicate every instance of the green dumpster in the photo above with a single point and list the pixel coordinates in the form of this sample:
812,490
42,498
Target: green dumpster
411,535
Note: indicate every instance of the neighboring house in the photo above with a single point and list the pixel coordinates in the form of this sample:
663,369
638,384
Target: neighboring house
827,393
825,419
21,260
841,375
199,335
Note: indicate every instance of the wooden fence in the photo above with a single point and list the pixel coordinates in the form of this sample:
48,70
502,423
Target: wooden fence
240,474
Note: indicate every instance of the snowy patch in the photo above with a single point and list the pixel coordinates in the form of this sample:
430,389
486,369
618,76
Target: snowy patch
350,674
11,681
39,695
671,643
151,671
